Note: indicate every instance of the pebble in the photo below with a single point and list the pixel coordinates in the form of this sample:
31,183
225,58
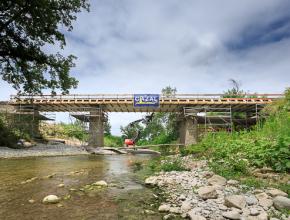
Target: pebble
51,199
164,208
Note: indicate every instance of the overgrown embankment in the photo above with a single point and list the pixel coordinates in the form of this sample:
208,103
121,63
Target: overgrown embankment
76,131
266,145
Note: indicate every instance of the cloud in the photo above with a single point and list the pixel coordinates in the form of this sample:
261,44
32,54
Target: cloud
127,46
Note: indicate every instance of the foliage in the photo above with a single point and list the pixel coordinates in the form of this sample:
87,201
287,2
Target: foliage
9,135
26,27
63,130
113,141
162,129
166,164
235,91
266,145
168,91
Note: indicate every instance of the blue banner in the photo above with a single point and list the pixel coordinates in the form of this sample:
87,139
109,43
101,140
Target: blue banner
146,100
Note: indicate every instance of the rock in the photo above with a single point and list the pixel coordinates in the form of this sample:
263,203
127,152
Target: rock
51,199
185,206
61,185
232,215
232,182
223,207
207,192
237,201
217,180
175,210
31,201
257,191
262,196
169,216
164,208
59,205
263,216
254,212
101,183
149,212
281,202
152,180
251,200
276,192
193,216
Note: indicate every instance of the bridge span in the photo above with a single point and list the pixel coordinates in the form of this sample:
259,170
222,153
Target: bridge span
92,108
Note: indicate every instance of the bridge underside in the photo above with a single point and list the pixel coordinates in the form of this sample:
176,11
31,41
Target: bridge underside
93,108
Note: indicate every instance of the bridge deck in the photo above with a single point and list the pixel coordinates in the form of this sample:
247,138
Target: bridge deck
124,102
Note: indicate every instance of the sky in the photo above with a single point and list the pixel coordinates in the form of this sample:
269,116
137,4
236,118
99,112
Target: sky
129,46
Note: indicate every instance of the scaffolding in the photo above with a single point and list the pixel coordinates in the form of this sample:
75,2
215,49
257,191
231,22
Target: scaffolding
211,119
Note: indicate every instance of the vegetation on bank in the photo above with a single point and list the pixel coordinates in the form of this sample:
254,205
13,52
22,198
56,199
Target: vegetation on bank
77,131
265,145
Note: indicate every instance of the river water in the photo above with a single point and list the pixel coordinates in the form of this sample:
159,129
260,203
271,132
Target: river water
27,179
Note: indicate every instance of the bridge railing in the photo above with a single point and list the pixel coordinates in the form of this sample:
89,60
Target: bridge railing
131,96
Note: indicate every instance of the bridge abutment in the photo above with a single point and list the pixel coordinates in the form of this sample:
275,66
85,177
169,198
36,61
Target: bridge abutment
188,131
96,129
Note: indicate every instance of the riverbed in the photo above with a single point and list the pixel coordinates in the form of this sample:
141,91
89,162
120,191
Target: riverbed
25,182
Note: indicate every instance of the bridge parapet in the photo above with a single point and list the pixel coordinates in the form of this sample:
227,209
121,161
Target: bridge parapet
124,102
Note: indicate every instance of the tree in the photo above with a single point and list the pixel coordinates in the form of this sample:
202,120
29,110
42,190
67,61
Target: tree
235,91
169,91
26,26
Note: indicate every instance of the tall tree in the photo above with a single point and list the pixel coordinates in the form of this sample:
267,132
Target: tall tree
235,91
169,91
26,26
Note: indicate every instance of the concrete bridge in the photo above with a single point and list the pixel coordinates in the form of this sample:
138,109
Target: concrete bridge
92,108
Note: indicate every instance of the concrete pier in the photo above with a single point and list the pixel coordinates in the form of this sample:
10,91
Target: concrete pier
96,129
189,131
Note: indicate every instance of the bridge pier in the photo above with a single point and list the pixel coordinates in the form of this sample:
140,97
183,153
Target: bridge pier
189,131
36,125
96,129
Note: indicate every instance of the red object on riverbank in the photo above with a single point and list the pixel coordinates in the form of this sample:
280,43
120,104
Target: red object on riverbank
129,142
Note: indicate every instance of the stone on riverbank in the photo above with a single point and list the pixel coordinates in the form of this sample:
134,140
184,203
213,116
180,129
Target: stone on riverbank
217,180
281,202
152,180
276,192
193,216
51,199
234,215
237,201
207,192
164,208
101,183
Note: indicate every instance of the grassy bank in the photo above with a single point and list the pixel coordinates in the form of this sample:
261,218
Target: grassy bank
237,154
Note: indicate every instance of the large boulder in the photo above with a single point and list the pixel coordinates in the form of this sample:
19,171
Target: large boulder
237,201
264,200
207,192
217,180
281,202
51,199
276,192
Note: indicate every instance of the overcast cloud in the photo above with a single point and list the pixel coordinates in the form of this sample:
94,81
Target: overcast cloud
141,46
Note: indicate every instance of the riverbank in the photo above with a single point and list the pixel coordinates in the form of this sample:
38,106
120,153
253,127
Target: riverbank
43,150
200,194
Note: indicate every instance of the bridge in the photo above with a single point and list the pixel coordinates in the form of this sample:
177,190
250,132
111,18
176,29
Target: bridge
194,109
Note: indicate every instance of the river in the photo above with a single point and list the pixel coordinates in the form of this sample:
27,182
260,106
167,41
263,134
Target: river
32,179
